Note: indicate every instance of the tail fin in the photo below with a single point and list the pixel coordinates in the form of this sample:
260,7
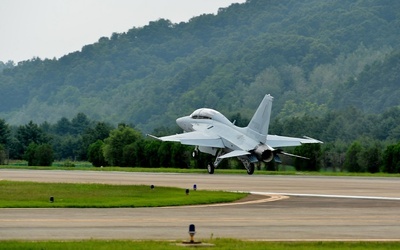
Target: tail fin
258,126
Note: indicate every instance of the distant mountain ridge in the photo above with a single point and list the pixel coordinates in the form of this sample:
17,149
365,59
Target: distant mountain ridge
312,56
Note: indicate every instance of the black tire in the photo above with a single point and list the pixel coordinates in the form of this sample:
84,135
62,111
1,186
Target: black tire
210,168
251,168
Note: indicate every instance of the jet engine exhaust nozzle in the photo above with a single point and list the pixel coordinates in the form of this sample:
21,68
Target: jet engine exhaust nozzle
264,153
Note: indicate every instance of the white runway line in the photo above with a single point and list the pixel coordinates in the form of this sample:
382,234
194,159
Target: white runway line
330,196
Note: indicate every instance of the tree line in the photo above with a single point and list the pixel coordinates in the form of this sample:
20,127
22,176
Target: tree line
81,139
313,55
103,144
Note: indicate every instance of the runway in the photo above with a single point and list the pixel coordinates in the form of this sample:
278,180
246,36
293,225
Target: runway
305,208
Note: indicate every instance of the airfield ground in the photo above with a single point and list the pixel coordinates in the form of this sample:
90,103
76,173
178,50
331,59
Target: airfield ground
305,209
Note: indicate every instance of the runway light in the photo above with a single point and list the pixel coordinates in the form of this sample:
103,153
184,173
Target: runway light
194,187
51,199
152,187
187,191
192,232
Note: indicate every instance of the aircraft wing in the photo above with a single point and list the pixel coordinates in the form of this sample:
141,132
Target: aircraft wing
195,138
277,141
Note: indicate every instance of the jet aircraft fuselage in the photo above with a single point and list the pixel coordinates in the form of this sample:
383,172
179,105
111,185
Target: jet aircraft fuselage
212,133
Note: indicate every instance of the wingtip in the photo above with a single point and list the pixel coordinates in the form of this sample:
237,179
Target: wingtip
154,137
314,140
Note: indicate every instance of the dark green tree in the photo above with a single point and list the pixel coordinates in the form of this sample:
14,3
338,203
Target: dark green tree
39,155
333,155
4,132
391,159
129,155
67,146
3,155
180,155
151,153
27,134
29,155
370,157
4,141
80,123
44,155
91,135
164,154
95,154
311,151
139,152
353,155
63,127
114,145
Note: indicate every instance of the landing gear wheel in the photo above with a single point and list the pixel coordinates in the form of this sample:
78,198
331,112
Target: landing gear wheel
210,168
250,169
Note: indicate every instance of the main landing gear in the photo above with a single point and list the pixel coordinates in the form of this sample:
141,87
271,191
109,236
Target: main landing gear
210,168
249,166
250,169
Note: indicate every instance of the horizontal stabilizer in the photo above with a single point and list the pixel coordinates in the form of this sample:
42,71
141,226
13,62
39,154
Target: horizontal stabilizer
311,140
276,141
292,155
234,153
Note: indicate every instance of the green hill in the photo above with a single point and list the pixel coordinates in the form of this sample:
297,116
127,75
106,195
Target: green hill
312,56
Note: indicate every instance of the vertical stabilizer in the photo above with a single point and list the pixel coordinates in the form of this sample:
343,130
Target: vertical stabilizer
258,126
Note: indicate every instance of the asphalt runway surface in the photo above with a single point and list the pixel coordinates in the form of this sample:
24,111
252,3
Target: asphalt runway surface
280,208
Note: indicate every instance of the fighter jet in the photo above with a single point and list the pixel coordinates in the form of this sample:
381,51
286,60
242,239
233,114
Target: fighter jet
212,133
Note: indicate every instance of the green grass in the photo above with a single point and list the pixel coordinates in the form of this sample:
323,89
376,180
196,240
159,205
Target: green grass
15,194
218,244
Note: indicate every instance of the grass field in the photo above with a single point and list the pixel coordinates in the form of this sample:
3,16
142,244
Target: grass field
217,244
15,194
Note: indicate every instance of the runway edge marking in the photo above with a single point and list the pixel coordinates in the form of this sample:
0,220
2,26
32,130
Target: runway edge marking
330,196
271,198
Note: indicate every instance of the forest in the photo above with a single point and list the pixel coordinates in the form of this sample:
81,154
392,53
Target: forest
332,66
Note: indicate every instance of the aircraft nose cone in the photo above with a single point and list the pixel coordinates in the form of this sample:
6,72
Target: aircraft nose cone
181,123
184,123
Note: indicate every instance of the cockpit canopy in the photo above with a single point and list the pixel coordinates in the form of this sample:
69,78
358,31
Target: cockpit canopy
205,113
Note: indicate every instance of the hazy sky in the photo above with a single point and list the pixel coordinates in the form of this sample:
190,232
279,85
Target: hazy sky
53,28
